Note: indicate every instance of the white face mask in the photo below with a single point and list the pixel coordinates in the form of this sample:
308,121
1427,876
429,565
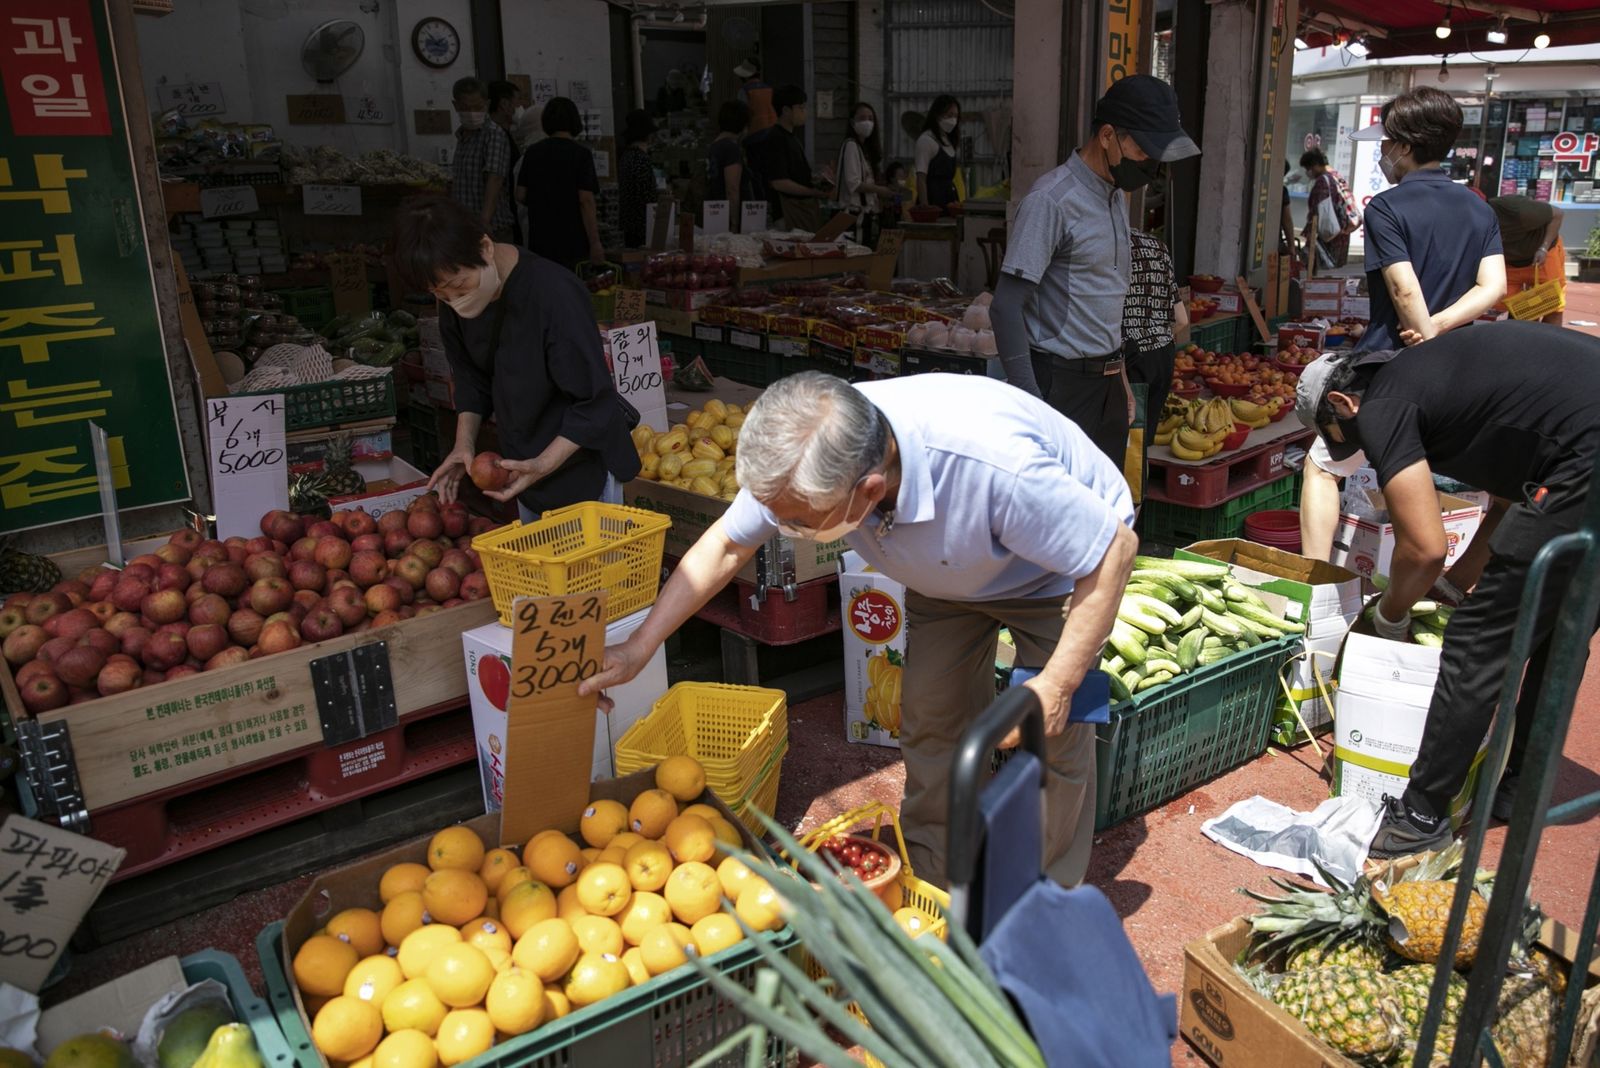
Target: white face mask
831,533
948,124
471,305
472,120
516,116
1387,166
863,128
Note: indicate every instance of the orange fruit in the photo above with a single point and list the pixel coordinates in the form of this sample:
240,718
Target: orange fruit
511,880
554,860
527,904
463,1034
598,934
727,833
373,979
682,777
681,933
651,811
404,913
548,950
733,875
359,927
596,977
568,907
413,1006
611,855
539,836
399,878
715,932
648,864
913,921
693,891
454,896
627,840
556,1004
703,810
590,854
638,974
691,838
603,821
487,934
456,847
645,911
460,975
660,950
405,1049
321,965
422,945
347,1028
892,896
760,907
496,863
604,889
515,1003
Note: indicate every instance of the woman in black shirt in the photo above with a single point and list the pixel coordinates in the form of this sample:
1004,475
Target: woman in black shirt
636,178
558,186
728,173
523,348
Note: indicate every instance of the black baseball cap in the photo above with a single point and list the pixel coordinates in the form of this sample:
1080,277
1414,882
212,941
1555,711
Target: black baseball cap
1146,108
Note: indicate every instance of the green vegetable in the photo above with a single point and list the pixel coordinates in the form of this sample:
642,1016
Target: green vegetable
1212,600
1191,618
1128,643
1193,570
1424,636
1266,619
1174,582
1169,615
1135,615
1162,664
1119,689
1221,625
1189,649
1160,593
1154,679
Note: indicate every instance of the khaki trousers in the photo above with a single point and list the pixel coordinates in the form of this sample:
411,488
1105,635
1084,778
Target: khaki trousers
949,680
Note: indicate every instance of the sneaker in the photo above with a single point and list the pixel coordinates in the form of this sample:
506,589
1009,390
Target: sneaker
1399,835
1505,796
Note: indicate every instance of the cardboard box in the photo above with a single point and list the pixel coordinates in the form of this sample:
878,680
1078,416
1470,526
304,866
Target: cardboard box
1366,546
874,616
1323,287
120,1004
488,659
1352,307
1330,306
1302,336
397,485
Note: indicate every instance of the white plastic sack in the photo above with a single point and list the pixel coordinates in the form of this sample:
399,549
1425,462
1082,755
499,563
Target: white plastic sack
1336,834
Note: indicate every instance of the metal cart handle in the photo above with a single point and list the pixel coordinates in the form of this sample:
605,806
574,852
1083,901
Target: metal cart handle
1016,707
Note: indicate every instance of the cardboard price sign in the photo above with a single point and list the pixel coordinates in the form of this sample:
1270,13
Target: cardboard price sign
48,879
348,280
331,199
629,305
314,109
229,200
636,368
249,460
753,216
716,212
556,643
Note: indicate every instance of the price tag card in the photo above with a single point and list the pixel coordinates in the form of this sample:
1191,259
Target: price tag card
579,92
347,277
314,109
49,877
249,464
192,98
752,216
716,217
543,90
228,200
636,368
629,306
331,199
556,643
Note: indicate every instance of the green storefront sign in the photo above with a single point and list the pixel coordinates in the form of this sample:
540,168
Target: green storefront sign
80,340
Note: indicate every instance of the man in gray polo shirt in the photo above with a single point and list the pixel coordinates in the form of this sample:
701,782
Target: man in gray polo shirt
1058,304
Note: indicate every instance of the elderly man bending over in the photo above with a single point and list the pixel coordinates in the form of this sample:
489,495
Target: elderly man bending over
993,508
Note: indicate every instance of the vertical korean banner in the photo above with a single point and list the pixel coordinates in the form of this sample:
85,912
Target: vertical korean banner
1122,40
1264,225
80,339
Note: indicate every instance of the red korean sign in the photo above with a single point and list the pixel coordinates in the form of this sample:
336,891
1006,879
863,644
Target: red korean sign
51,68
875,617
1576,148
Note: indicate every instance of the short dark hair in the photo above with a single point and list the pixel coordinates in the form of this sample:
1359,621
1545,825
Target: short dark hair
468,86
790,96
434,236
936,110
733,116
1313,157
501,91
1425,118
561,116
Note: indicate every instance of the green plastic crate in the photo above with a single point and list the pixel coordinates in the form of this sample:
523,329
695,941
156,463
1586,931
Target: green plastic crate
1177,524
312,305
247,1008
669,1022
339,401
1218,337
750,366
1172,738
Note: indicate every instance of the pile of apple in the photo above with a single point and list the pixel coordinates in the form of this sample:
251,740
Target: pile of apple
195,605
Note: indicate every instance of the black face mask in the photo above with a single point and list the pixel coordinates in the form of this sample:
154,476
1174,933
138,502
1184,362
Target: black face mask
1129,175
1352,439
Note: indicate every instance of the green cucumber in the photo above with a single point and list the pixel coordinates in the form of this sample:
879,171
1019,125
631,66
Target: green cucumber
1189,649
1135,616
1114,666
1191,618
1176,583
1236,593
1221,625
1438,620
1424,608
1150,589
1119,689
1160,664
1153,679
1423,636
1212,656
1131,680
1261,631
1264,618
1127,645
1212,600
1171,616
1193,570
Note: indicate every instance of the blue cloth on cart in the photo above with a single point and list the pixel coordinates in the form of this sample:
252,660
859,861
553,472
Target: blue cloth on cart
1091,701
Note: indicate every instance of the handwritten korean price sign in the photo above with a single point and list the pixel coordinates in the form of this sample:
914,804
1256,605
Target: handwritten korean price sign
227,200
331,199
636,369
556,643
80,341
48,879
249,461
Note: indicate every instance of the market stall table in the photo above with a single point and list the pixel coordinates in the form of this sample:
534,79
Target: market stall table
950,231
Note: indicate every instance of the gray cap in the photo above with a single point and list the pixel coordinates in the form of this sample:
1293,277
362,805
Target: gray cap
1308,392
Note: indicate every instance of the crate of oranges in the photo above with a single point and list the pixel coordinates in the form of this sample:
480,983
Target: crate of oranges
561,950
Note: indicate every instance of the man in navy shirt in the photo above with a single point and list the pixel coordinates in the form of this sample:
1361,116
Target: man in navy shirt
1433,262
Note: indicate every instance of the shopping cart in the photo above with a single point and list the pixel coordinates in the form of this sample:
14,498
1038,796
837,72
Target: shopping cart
1060,954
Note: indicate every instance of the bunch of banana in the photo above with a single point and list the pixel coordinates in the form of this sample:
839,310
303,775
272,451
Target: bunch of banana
1254,416
1167,428
1203,427
1210,416
697,454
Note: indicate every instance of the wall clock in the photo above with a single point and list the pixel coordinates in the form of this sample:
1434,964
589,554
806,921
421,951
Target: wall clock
436,42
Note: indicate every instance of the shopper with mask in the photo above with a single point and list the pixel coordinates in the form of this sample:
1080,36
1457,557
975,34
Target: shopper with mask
860,158
992,508
523,348
482,161
936,149
1058,305
558,185
1433,261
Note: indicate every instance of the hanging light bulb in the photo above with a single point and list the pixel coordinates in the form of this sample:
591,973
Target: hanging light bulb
1442,31
1300,44
1358,48
1444,70
1542,41
1498,34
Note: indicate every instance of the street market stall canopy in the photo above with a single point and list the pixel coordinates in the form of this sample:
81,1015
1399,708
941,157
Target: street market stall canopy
1390,28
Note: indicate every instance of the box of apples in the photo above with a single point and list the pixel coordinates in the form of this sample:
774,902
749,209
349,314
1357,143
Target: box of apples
195,657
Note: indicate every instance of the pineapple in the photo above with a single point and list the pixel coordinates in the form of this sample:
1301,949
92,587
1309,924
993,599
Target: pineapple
1525,1021
1349,953
1413,983
22,572
1354,1010
1314,928
338,476
308,495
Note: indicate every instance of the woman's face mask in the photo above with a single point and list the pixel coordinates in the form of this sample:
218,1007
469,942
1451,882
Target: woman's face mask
948,123
863,128
469,297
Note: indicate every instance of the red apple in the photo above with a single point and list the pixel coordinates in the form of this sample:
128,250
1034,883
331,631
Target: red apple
31,669
424,524
24,643
207,640
103,611
181,671
413,570
278,636
324,528
303,549
180,627
119,623
452,602
173,553
166,649
282,526
475,586
101,640
427,502
227,579
428,609
45,605
428,551
172,577
155,676
130,593
260,544
269,595
480,525
321,624
307,599
100,589
442,584
229,657
408,611
486,472
333,552
165,606
210,608
119,676
244,626
403,587
211,549
80,666
337,576
349,604
358,522
308,575
387,618
142,572
71,624
381,598
367,543
44,693
150,560
134,640
198,566
455,519
368,568
56,648
397,542
265,565
389,521
188,537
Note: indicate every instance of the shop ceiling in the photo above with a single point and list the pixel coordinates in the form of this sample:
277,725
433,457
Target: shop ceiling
1390,28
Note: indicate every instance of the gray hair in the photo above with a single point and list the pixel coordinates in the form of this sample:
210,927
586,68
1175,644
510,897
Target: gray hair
812,434
469,86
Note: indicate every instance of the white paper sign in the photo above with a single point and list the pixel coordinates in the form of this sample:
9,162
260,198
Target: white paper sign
192,98
579,92
228,200
650,223
602,163
716,217
370,110
50,878
591,124
752,216
249,460
636,369
543,90
331,199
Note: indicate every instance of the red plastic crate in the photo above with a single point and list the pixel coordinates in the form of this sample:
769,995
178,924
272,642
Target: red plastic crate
160,829
774,620
1225,477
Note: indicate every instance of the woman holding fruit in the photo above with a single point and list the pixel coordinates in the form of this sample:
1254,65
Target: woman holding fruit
522,346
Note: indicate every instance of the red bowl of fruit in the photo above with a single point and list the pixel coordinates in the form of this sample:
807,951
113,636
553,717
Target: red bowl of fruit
872,862
1235,439
1205,283
1283,413
1226,389
925,213
1185,388
1292,364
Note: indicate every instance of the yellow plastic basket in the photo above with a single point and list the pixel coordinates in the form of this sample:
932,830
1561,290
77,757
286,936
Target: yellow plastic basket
763,796
1540,299
577,549
732,731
